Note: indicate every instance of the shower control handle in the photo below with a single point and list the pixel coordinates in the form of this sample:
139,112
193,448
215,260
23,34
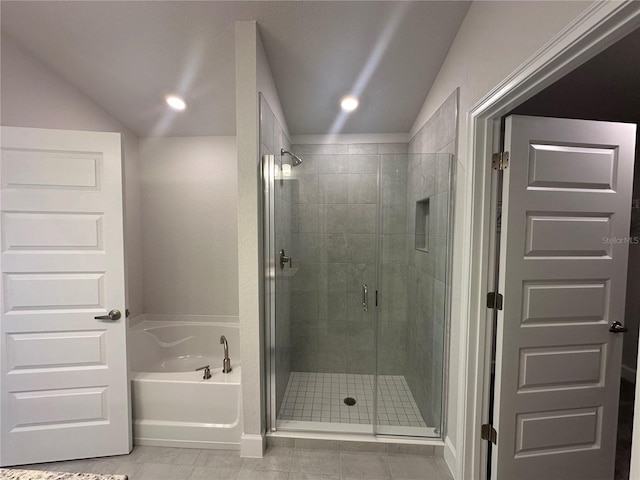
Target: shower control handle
112,315
365,297
207,372
284,259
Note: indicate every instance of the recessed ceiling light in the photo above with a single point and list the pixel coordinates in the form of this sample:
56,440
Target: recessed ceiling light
176,102
349,103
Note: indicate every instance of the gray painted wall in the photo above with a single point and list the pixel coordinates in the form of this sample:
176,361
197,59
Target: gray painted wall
189,225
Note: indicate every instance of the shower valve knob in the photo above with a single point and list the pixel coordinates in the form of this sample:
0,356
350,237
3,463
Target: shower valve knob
284,259
207,372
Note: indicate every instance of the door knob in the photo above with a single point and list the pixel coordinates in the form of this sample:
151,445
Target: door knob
617,327
113,315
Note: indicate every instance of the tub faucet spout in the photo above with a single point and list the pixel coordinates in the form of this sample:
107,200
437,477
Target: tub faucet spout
226,362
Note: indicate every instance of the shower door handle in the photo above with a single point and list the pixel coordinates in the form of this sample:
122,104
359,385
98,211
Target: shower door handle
365,297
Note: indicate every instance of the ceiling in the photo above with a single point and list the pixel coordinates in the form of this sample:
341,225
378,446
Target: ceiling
127,55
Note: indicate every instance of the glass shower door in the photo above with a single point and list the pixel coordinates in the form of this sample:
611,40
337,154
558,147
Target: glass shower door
277,192
414,237
327,381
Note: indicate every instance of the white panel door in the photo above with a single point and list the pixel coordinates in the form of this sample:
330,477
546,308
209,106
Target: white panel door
563,269
63,373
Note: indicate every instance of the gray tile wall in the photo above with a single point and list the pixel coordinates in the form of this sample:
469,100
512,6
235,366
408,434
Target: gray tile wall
428,177
335,220
272,139
393,276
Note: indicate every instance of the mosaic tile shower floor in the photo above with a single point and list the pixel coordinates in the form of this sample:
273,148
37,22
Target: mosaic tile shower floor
319,397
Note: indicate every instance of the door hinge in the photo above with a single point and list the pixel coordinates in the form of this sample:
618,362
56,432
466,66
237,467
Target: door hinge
500,161
487,432
494,300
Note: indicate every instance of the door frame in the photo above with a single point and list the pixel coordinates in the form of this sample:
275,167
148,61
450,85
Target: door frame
599,26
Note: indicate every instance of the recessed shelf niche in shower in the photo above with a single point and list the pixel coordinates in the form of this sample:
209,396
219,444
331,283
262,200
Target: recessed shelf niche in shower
422,225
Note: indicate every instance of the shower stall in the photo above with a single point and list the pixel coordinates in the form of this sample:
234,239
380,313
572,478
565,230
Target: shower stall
356,262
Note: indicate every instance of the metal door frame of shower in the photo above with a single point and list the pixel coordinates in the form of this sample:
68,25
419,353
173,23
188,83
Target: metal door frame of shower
267,214
448,296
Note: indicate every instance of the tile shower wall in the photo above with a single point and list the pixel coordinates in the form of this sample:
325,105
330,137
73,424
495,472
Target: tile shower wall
393,285
335,215
428,178
272,139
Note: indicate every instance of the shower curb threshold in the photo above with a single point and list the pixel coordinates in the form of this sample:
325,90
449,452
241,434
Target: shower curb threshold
355,442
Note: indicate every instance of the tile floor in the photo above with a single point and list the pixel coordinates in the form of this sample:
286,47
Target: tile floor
319,397
279,463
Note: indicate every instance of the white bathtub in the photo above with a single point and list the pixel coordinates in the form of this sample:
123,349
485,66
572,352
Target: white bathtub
172,404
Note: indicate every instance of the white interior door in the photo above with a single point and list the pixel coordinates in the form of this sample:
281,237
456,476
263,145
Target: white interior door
563,264
63,373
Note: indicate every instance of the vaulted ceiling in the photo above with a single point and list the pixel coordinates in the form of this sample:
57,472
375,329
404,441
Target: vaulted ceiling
127,55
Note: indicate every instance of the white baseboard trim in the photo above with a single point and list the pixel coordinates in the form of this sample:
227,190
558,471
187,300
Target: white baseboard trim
451,457
252,446
629,374
155,442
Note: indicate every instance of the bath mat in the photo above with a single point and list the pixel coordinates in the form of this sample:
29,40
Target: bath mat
14,474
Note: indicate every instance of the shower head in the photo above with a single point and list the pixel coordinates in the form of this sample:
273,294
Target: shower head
295,160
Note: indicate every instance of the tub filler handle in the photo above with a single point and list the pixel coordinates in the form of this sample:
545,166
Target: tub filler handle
207,372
